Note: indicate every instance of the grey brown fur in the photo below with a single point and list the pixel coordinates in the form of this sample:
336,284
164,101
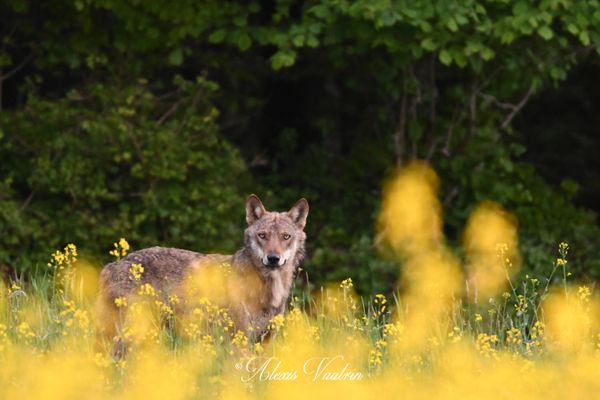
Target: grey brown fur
257,287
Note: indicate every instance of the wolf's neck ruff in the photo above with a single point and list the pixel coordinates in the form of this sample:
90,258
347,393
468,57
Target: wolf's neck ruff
277,283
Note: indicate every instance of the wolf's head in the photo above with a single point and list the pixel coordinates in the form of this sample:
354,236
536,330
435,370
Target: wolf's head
276,239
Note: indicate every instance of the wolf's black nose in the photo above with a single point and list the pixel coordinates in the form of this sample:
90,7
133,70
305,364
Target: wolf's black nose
273,259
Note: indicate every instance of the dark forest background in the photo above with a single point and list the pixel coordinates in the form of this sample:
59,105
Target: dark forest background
155,119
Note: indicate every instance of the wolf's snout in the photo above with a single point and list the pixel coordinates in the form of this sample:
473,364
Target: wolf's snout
273,260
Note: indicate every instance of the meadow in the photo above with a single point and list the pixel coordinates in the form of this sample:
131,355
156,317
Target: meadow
458,326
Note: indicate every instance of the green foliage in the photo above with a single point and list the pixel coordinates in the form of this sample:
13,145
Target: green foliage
110,161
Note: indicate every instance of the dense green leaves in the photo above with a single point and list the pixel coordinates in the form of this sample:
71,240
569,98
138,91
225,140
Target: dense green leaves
107,162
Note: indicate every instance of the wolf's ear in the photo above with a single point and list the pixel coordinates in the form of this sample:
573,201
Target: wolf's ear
299,212
254,209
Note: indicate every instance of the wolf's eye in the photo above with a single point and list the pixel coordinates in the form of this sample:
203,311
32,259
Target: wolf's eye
262,235
286,236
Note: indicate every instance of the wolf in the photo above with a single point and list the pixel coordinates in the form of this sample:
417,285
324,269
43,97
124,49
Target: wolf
257,279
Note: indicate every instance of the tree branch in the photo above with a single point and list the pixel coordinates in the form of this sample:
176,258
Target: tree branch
514,108
457,117
517,108
399,135
17,68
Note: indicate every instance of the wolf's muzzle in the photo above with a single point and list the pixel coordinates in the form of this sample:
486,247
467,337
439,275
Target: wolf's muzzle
273,260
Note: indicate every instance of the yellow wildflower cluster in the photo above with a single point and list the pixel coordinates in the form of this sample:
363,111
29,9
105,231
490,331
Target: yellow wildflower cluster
455,335
563,248
314,333
486,344
347,284
513,336
173,299
136,271
240,340
379,305
121,248
206,313
393,330
14,288
376,354
121,302
561,262
258,348
208,345
24,331
277,322
521,306
294,316
535,345
71,316
147,290
63,259
584,293
163,308
192,330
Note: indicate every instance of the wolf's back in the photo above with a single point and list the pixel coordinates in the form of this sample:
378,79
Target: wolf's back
164,268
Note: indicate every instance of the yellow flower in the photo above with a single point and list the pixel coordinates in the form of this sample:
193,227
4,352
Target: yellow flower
314,333
513,336
136,271
563,247
82,318
124,245
485,344
240,340
521,305
346,284
147,289
375,358
276,322
14,288
71,252
584,293
258,348
478,318
25,331
163,308
121,302
121,248
380,299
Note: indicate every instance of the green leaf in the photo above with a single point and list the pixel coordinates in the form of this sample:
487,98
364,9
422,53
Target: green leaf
445,57
298,41
545,32
282,59
487,53
461,19
574,29
320,11
312,41
451,24
176,56
243,41
217,36
428,44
